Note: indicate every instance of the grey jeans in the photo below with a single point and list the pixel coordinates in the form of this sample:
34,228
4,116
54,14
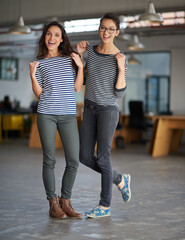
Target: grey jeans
67,128
98,125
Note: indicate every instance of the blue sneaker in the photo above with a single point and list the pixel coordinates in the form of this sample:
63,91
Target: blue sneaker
125,191
98,212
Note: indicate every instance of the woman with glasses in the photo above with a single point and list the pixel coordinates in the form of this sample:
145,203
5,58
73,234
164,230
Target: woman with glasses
105,83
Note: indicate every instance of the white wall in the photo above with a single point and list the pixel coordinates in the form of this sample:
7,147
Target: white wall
153,63
177,98
176,45
20,89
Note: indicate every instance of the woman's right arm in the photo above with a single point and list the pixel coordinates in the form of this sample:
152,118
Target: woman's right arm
37,89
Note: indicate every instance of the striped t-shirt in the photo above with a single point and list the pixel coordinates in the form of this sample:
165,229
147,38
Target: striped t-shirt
102,73
56,76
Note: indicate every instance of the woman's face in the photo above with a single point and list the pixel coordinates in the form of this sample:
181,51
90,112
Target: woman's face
53,38
108,30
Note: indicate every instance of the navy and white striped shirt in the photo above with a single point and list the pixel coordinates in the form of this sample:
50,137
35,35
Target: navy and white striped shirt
102,73
56,76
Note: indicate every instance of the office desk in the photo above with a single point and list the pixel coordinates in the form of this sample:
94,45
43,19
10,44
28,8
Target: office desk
166,134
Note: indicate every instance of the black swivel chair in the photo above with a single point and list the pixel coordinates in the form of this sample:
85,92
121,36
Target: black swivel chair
137,117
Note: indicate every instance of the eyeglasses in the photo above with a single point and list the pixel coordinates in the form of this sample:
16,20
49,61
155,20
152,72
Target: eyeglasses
109,30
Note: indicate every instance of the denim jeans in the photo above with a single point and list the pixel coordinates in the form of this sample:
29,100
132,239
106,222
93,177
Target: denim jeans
98,126
67,128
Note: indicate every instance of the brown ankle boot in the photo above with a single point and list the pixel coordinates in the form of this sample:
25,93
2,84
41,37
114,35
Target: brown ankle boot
67,208
55,209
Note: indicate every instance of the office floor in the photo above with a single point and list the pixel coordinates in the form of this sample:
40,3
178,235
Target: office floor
156,210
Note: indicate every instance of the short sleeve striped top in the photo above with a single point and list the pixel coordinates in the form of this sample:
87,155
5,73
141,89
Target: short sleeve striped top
102,73
56,76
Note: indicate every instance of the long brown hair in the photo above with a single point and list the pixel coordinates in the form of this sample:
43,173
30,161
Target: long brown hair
65,48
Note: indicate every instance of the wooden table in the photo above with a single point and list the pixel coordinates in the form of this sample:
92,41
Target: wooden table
166,134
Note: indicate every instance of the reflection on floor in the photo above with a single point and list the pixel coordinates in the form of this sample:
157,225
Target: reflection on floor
156,210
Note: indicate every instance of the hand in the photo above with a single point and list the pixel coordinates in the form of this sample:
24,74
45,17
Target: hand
120,57
77,60
33,68
82,47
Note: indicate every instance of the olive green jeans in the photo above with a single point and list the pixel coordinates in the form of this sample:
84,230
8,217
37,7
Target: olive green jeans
68,131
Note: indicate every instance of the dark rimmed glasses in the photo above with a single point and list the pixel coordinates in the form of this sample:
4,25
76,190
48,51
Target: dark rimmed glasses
109,30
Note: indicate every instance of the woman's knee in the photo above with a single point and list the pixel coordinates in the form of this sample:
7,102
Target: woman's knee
49,163
73,162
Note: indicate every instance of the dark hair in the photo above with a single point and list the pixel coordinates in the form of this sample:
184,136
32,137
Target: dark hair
65,48
113,17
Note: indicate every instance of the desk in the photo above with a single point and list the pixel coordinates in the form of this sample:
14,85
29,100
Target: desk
166,134
129,134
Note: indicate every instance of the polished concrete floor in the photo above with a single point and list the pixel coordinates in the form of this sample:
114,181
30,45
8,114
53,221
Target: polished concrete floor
156,210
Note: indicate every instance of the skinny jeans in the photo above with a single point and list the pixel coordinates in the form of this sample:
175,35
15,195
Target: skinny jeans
98,126
68,131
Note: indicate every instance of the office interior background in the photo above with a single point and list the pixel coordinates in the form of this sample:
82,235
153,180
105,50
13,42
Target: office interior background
156,76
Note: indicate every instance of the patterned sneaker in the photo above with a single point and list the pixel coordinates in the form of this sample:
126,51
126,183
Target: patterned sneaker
125,191
98,212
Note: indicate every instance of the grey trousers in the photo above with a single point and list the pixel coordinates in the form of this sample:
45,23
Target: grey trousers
68,130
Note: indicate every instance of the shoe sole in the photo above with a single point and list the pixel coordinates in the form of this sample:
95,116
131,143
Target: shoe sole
96,216
61,218
129,181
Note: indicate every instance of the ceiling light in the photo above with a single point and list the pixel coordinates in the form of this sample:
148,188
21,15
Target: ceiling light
133,60
19,27
150,15
134,44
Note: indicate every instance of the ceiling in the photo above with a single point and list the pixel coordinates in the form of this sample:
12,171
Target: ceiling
36,13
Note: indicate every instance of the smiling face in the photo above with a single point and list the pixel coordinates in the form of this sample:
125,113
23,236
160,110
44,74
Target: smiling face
53,38
108,30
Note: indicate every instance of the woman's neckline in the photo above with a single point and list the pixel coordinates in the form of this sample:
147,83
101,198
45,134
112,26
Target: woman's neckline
103,54
52,57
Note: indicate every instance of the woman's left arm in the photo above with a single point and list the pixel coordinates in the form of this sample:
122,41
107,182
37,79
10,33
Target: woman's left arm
121,81
80,75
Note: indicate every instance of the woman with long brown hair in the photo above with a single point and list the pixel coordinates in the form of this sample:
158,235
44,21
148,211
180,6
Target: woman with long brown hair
56,73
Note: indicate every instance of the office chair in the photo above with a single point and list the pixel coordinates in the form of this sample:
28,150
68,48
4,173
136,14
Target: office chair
137,117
